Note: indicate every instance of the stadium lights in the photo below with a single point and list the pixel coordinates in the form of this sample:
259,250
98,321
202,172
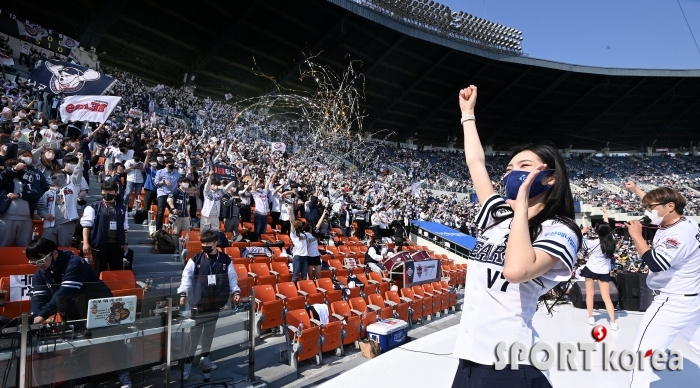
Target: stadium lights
436,17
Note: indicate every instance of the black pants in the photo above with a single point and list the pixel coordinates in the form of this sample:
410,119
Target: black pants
86,175
162,205
150,199
275,219
472,375
24,59
244,213
231,225
193,206
286,226
112,256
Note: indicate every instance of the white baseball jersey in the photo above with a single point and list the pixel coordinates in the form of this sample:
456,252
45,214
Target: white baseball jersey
597,261
495,310
677,252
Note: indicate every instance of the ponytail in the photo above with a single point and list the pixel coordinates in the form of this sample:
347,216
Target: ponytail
607,239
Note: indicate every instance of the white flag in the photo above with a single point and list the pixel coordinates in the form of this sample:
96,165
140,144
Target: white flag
278,147
88,108
228,96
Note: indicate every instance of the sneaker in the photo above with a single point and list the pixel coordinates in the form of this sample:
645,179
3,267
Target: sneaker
591,321
206,364
186,372
145,222
125,380
613,325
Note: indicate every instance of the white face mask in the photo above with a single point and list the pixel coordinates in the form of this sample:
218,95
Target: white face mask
70,167
54,127
654,216
26,159
185,185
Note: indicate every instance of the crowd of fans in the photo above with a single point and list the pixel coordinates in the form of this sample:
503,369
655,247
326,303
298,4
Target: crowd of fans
169,129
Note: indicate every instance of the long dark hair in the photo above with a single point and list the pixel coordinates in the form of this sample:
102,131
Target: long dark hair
607,240
558,201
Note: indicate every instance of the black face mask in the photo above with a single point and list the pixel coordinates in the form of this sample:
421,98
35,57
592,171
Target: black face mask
170,166
109,197
137,160
207,249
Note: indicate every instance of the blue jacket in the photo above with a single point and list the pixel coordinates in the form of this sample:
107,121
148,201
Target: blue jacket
150,177
205,297
57,288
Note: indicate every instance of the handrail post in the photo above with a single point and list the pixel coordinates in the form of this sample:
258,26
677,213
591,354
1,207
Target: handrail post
23,351
251,336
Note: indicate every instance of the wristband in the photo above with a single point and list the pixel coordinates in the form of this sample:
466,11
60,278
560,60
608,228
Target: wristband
468,118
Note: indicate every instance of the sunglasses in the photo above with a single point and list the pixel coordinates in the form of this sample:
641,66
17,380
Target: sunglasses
41,261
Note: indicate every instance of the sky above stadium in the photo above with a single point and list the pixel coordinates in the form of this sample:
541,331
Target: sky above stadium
648,34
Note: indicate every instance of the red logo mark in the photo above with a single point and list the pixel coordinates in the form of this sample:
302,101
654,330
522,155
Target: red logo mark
648,353
599,333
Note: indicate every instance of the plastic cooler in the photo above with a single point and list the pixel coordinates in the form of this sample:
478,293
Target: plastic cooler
390,333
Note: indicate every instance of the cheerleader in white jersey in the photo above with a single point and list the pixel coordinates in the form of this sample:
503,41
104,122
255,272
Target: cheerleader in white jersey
674,277
528,246
600,253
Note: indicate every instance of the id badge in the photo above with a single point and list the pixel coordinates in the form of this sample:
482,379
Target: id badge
211,280
112,225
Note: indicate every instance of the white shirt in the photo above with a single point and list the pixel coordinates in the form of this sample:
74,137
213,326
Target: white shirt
123,157
597,261
284,213
299,248
262,201
51,136
495,310
677,251
275,199
133,173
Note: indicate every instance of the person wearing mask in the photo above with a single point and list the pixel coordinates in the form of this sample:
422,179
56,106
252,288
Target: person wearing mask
314,256
345,219
211,208
246,197
276,206
178,201
84,148
116,175
105,230
300,253
376,254
58,207
64,284
262,207
51,134
207,282
530,239
165,182
674,263
151,168
134,169
230,212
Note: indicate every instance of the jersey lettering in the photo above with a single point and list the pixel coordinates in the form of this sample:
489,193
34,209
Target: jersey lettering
488,253
491,280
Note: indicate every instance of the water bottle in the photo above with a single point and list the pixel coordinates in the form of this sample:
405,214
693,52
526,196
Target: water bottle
301,328
35,233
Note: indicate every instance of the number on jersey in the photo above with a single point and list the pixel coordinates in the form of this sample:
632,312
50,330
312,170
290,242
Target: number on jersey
493,278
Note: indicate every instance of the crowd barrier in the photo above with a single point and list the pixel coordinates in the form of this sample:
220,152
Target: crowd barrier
143,329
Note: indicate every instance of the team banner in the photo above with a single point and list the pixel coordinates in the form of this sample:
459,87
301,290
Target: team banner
62,77
278,147
94,109
222,171
20,285
32,33
421,271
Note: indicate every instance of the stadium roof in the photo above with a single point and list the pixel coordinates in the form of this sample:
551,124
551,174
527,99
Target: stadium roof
412,76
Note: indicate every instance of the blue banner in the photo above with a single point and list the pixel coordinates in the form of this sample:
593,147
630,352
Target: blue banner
577,206
449,234
63,77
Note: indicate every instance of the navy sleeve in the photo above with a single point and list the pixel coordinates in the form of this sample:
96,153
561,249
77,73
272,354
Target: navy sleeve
484,215
40,293
71,283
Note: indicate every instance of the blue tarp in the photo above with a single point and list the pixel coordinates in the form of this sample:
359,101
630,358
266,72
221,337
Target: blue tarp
449,234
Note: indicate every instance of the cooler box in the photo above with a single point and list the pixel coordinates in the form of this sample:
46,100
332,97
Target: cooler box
390,333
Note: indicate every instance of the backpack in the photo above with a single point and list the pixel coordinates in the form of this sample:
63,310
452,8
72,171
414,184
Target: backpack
163,242
140,216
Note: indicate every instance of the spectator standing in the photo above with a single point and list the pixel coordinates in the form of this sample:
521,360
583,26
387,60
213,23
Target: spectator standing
300,253
59,209
134,169
246,200
262,207
105,230
178,201
207,281
166,182
151,168
230,212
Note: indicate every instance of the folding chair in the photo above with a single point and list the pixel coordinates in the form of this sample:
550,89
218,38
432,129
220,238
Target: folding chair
268,309
302,344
